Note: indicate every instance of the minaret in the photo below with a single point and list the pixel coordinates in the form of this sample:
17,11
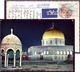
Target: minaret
11,31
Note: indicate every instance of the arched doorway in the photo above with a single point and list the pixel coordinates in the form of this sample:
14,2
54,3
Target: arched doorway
17,57
3,57
10,58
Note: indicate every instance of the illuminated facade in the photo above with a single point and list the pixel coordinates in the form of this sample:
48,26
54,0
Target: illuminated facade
53,47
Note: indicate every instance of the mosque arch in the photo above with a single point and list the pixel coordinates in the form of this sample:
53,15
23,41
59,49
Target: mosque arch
67,52
58,52
2,49
64,52
71,52
10,48
3,57
10,57
17,57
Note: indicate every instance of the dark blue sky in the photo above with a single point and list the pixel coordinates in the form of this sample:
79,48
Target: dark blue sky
30,31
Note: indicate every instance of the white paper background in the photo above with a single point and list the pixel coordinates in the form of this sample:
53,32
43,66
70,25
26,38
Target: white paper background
77,62
1,9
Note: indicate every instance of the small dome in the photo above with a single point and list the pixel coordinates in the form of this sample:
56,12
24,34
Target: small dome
53,33
11,39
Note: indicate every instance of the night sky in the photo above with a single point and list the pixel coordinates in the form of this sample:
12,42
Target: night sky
30,32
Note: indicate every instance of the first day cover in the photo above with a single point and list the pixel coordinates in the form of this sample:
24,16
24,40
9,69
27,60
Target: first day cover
39,36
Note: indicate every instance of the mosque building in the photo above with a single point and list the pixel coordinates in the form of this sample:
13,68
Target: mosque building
53,47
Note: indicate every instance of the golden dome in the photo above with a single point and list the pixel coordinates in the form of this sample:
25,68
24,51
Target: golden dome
11,39
53,33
